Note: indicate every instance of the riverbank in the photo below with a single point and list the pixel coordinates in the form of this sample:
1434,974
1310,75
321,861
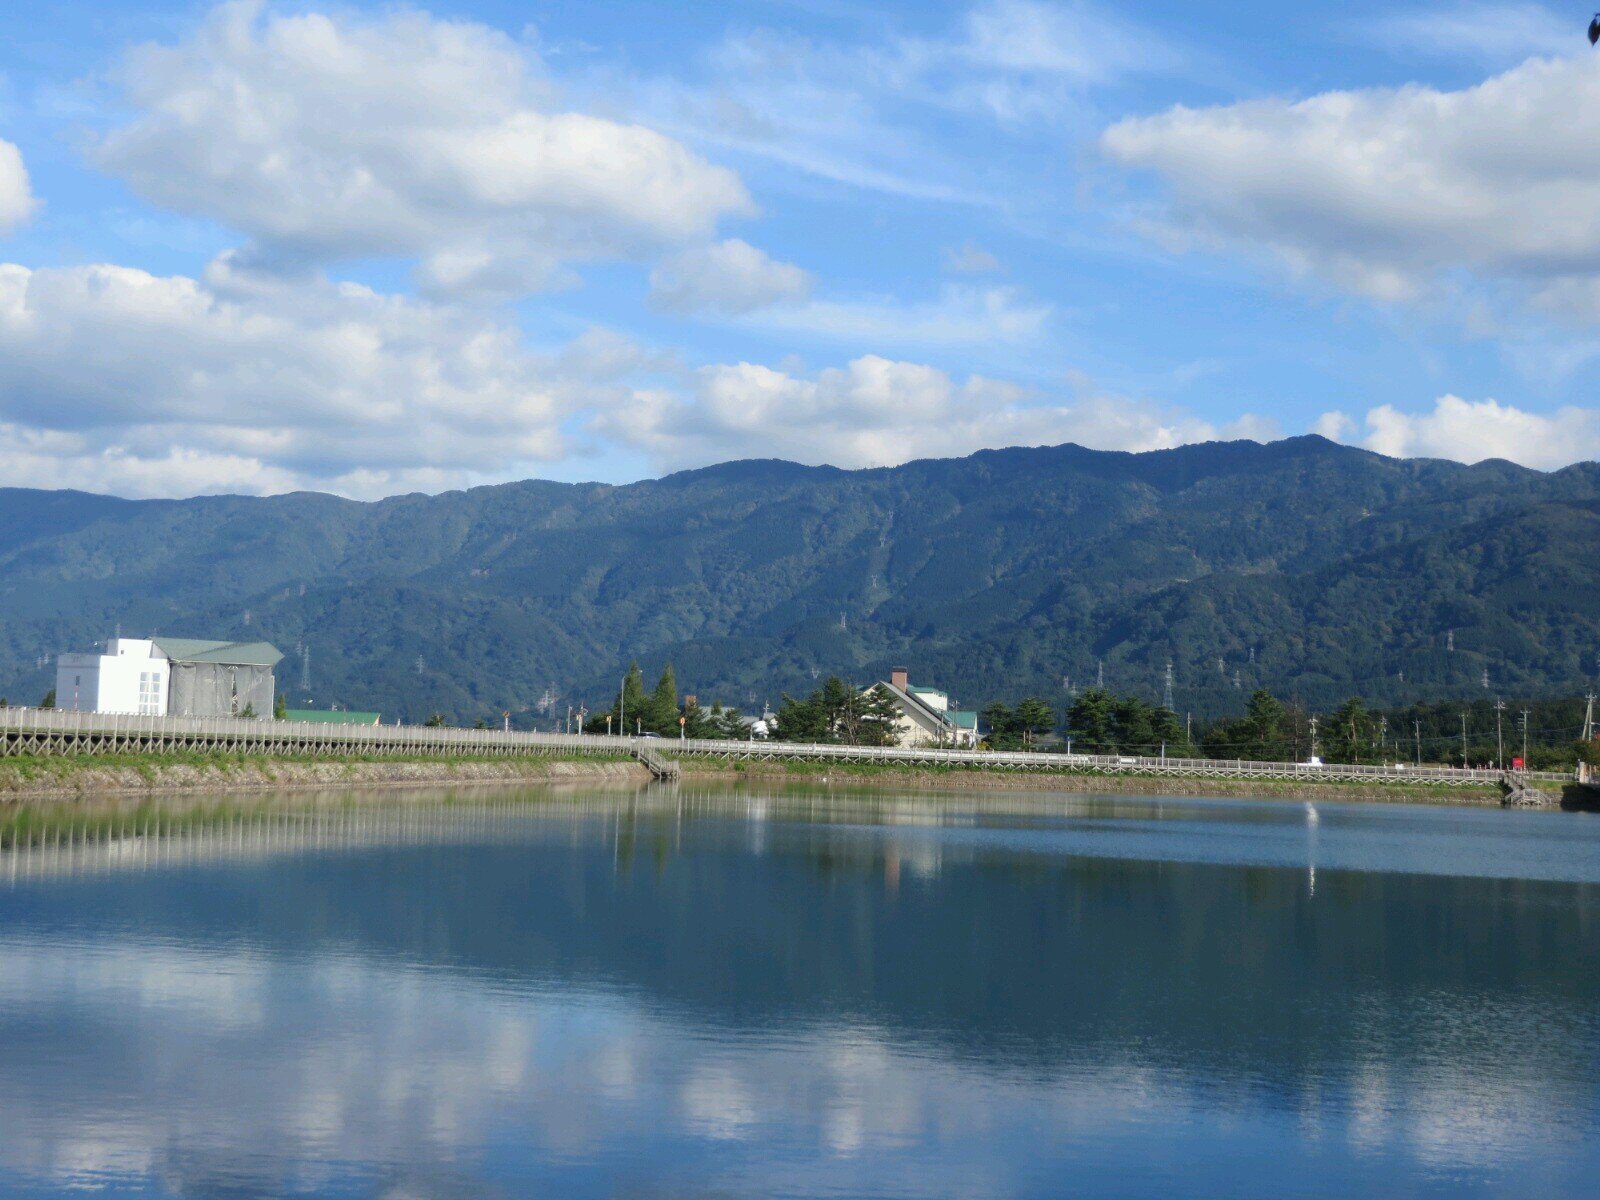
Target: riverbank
67,778
75,777
967,780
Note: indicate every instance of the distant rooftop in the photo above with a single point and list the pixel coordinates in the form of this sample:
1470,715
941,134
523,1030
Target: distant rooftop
331,716
233,654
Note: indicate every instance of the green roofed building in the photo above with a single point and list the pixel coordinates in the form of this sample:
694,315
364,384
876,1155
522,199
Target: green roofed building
332,716
927,716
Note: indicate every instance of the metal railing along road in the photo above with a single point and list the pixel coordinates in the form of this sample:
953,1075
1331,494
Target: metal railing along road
59,731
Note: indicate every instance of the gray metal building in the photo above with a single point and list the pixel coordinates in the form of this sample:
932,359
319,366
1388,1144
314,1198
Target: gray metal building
219,679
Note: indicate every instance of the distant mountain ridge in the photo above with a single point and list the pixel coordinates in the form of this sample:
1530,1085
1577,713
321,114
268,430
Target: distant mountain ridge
1302,565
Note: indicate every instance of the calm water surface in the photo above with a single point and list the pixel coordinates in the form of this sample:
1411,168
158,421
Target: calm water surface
738,995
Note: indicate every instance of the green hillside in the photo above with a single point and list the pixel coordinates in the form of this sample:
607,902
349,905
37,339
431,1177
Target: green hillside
1310,568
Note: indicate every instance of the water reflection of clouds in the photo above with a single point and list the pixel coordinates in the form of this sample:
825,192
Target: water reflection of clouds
242,1072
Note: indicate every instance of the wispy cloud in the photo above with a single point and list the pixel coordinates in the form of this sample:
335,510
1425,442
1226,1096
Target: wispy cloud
962,315
1490,34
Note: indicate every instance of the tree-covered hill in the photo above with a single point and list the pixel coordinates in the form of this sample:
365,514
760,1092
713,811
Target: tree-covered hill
1303,566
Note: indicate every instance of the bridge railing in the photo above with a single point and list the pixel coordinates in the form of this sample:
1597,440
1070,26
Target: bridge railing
61,730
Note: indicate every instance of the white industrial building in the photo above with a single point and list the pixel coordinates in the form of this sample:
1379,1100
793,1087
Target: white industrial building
180,676
130,677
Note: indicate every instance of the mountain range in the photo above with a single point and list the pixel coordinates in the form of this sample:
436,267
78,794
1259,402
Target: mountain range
1311,568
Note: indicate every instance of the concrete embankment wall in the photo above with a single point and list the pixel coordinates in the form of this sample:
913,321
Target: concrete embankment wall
968,781
81,778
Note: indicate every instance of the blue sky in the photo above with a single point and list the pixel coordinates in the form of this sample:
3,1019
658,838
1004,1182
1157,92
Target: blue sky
258,247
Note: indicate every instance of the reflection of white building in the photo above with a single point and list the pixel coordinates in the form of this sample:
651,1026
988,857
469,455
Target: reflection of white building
181,676
927,717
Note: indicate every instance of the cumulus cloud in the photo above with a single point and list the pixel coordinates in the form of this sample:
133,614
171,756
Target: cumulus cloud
16,196
326,138
1471,431
116,379
878,412
1388,191
731,277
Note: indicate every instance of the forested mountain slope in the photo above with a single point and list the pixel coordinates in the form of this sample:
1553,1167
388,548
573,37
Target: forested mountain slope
1308,567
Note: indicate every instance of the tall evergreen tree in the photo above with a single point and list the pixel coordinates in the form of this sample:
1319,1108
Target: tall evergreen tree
1352,733
1001,723
1091,722
1034,717
661,709
1264,717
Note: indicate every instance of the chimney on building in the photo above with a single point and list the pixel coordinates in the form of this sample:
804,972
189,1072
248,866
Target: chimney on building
900,678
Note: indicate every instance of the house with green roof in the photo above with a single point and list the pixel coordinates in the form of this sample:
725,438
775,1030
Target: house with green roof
928,717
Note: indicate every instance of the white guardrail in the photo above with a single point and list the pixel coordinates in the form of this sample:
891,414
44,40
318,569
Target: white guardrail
58,731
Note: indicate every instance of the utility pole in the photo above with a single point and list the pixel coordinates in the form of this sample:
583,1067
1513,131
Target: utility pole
1166,695
622,709
1499,736
1463,738
1525,715
1313,736
1383,737
1419,741
1588,720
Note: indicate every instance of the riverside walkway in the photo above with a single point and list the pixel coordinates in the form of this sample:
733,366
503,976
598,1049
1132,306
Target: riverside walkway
40,732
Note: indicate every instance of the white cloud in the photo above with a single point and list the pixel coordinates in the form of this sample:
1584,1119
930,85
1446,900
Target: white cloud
970,259
1471,431
115,379
1488,33
730,277
882,116
878,412
328,138
1072,39
1390,192
16,196
961,315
